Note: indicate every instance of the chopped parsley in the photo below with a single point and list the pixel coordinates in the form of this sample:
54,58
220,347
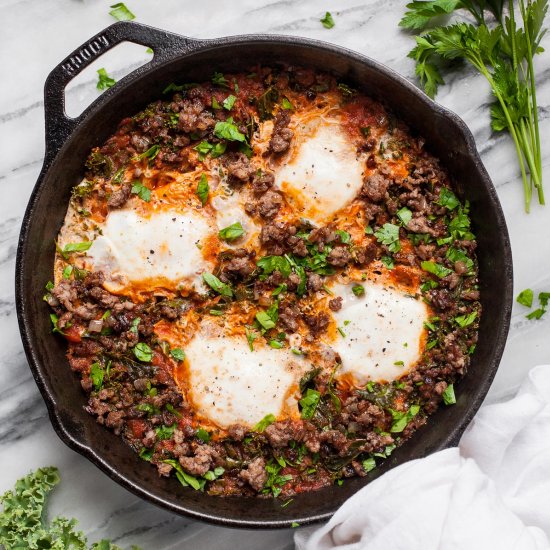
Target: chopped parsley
143,352
405,215
265,320
358,290
178,354
250,337
203,435
345,237
448,199
309,403
219,80
448,395
388,261
165,432
269,264
151,153
142,191
121,13
525,297
436,269
215,284
104,81
228,102
70,248
369,464
215,150
67,272
544,297
231,232
229,131
327,21
286,104
96,375
203,189
264,423
388,235
464,321
187,480
402,418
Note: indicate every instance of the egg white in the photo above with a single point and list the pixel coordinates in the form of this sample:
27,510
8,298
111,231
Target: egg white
230,384
382,332
163,245
323,173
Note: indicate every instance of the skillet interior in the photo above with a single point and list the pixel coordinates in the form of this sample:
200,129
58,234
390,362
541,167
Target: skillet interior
446,137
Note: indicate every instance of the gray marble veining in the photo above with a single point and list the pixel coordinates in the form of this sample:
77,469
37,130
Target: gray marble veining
36,35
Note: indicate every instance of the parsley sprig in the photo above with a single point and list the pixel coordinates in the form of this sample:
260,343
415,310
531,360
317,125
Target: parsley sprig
502,52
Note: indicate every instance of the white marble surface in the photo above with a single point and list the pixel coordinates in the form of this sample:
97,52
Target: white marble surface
34,36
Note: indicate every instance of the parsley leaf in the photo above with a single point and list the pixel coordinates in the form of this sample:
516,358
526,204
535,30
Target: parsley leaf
228,102
327,20
369,464
219,80
388,235
142,191
448,199
165,432
464,321
70,248
309,403
121,13
525,297
215,284
421,12
269,264
449,395
264,423
96,375
203,189
203,435
345,237
151,153
229,131
265,320
104,81
402,418
187,480
405,215
286,104
143,352
388,261
231,232
436,269
178,354
358,290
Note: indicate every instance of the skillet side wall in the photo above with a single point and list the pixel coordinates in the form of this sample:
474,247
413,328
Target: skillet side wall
445,138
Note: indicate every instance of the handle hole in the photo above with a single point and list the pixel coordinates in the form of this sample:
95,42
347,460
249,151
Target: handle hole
117,62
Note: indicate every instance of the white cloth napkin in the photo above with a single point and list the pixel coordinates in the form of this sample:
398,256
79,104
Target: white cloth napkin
492,492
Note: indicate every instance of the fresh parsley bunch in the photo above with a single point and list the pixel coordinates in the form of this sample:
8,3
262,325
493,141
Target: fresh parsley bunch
502,52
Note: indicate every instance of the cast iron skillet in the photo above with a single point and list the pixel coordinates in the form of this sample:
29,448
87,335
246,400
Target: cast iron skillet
181,59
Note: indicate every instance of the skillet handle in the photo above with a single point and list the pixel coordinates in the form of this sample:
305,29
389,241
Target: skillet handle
59,125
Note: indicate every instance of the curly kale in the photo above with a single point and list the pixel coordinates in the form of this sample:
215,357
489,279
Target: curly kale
23,520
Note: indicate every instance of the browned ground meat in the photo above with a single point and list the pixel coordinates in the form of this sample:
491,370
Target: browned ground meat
282,135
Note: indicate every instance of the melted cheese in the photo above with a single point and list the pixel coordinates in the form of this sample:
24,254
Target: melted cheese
322,175
230,384
384,332
160,247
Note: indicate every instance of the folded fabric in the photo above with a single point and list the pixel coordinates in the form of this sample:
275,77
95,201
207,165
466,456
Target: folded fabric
492,492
